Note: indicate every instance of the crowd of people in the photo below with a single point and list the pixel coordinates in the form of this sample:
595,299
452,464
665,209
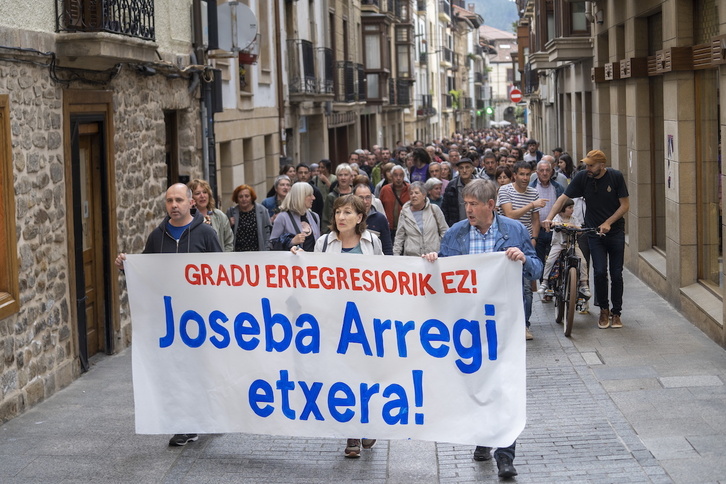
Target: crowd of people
485,191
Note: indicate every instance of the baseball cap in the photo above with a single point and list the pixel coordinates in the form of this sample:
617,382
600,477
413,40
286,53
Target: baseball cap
595,156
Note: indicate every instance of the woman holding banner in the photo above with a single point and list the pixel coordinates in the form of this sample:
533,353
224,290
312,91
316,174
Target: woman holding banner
348,235
296,224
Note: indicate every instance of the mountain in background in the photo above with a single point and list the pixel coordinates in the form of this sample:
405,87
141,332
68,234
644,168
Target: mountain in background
499,14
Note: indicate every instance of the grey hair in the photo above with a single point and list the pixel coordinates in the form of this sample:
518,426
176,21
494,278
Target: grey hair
417,185
397,168
482,190
343,167
432,182
280,178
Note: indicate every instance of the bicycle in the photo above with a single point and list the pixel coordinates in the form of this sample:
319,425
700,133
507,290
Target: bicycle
565,276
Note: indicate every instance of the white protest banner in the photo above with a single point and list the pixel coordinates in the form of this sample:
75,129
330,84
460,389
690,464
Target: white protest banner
329,345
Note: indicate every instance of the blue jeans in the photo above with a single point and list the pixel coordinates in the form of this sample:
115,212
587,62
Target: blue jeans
527,293
608,251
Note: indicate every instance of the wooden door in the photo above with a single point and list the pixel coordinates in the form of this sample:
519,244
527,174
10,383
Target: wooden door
89,182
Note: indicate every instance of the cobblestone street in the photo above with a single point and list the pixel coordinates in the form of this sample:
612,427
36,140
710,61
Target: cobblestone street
645,403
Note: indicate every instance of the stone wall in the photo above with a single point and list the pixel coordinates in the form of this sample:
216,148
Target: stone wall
139,105
37,352
39,344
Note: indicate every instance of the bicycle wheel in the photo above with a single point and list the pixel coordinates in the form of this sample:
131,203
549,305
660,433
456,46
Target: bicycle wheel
559,301
570,294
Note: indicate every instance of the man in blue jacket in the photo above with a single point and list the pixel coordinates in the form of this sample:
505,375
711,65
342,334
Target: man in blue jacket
485,231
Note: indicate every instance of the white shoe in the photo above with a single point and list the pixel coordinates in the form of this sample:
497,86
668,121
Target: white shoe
542,288
585,291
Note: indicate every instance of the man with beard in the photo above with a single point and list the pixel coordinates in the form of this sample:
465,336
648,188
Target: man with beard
607,201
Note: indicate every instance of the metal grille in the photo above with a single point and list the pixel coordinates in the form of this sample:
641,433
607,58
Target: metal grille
133,18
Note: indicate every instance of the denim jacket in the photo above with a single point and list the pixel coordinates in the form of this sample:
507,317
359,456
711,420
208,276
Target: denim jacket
511,234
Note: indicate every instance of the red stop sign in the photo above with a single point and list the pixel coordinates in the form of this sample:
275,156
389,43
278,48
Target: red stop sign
515,95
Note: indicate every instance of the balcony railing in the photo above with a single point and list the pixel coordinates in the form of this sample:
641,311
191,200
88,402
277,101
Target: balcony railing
403,93
346,84
133,18
362,91
530,79
301,62
423,58
447,101
478,78
480,104
448,55
445,7
425,107
326,67
420,5
468,103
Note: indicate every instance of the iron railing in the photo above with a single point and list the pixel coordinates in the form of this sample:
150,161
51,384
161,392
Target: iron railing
420,5
133,18
423,58
425,107
403,92
362,91
327,70
530,79
447,101
478,78
301,62
468,103
448,55
346,82
391,91
445,7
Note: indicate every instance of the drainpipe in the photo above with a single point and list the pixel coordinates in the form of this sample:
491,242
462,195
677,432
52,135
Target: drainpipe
278,67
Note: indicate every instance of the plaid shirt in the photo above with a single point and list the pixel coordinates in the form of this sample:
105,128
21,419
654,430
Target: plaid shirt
480,243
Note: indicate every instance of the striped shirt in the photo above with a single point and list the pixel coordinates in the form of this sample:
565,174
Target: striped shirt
509,194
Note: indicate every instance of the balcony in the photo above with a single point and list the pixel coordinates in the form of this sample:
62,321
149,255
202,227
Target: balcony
447,101
327,69
423,58
530,80
399,92
445,11
421,6
301,67
480,104
478,78
362,81
447,57
346,85
97,34
425,106
371,5
566,49
468,103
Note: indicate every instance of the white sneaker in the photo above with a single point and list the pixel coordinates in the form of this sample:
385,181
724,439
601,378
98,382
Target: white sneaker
542,288
585,290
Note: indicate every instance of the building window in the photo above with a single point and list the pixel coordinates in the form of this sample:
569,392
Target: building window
9,288
709,173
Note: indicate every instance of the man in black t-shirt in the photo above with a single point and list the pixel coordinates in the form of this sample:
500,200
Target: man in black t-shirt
606,197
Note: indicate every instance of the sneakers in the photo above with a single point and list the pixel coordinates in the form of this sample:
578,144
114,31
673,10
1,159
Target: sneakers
505,466
352,449
482,453
615,321
182,439
542,288
368,443
528,334
585,291
604,321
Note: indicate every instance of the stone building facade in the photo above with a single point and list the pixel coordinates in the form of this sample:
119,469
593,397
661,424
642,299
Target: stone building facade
86,153
642,81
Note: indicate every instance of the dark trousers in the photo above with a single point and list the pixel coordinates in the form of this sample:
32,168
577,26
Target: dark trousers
608,252
544,243
508,451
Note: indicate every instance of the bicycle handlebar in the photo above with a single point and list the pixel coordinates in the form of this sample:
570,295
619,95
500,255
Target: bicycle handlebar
571,229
